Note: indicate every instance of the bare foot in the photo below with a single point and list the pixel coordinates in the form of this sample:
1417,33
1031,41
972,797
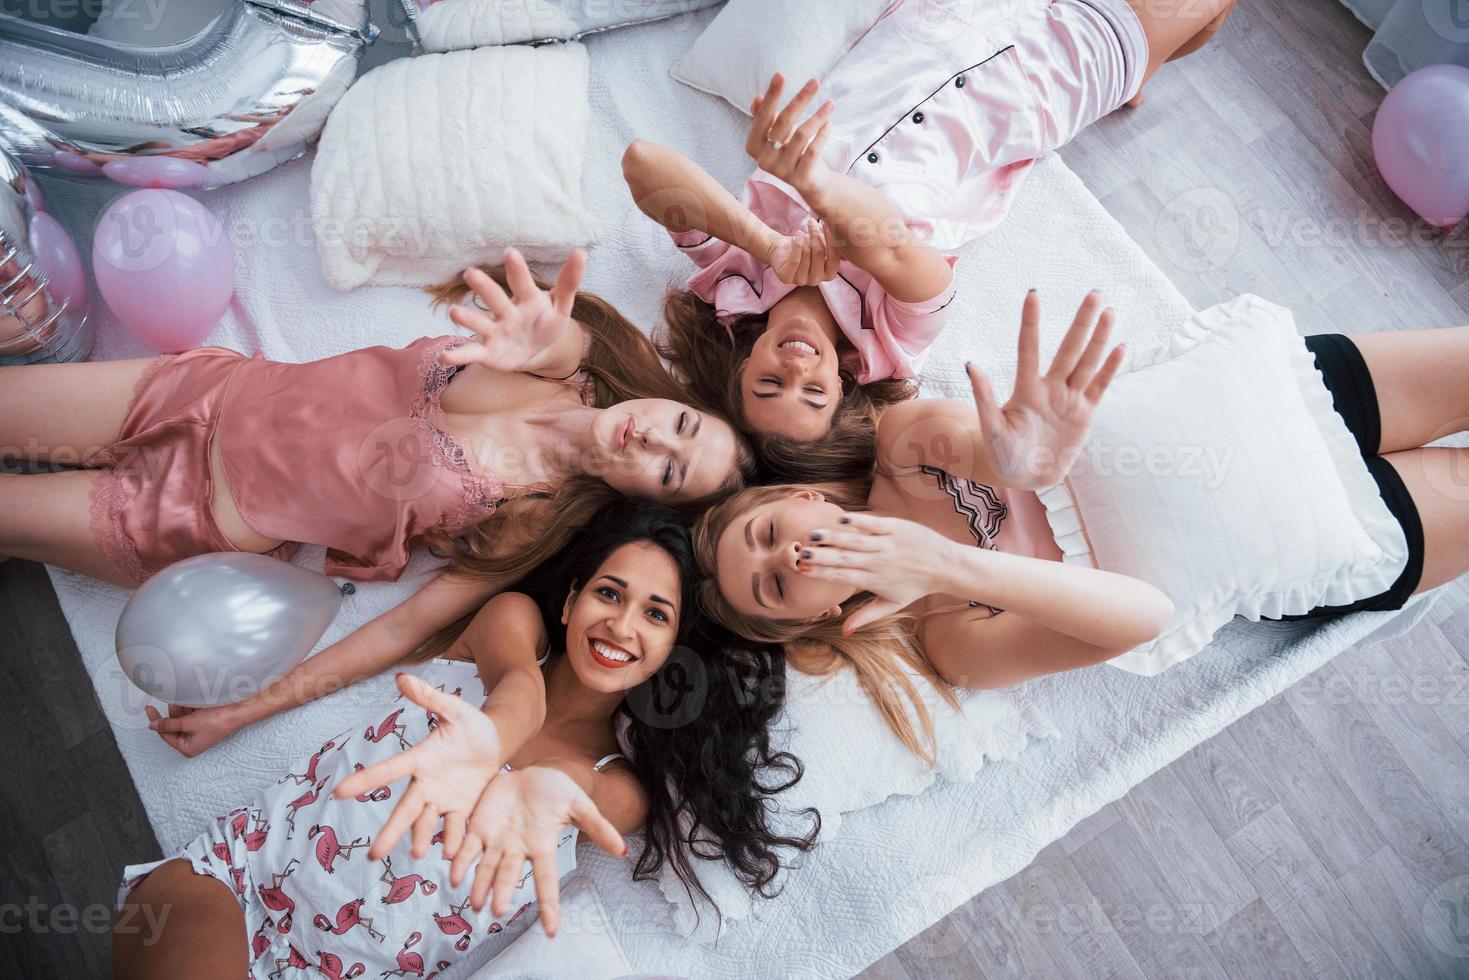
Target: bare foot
1135,101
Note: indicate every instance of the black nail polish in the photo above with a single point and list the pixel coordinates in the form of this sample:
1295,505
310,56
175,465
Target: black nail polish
846,520
806,554
815,535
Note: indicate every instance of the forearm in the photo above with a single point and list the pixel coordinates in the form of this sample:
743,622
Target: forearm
368,651
1104,609
678,194
516,704
872,234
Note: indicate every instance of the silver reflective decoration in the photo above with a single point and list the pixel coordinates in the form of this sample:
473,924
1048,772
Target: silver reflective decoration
35,323
242,95
217,628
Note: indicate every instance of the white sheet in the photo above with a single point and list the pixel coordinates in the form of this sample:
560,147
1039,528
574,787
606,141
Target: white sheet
896,867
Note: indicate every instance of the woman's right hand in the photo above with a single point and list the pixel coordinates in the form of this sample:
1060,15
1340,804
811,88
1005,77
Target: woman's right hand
807,258
190,731
520,817
516,332
898,561
449,769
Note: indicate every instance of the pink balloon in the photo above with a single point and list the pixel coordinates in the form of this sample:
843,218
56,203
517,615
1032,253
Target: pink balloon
76,163
156,172
57,256
165,266
1421,141
33,194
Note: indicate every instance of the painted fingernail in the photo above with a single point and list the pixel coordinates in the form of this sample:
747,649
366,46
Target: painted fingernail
806,553
815,535
1030,290
846,520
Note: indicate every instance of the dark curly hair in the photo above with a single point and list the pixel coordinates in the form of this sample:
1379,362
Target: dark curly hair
705,352
697,733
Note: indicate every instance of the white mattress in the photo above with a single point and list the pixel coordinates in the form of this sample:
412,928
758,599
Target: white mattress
895,867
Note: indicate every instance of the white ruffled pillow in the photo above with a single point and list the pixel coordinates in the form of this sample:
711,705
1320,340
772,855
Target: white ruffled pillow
432,163
1219,472
750,40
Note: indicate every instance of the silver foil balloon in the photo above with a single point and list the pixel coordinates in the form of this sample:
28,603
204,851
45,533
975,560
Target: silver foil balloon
240,96
37,323
217,628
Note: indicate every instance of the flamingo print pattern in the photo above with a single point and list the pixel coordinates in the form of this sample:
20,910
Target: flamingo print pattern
314,906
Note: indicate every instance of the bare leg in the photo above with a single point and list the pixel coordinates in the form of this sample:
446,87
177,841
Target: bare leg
1177,29
1422,382
179,924
1438,479
47,518
63,412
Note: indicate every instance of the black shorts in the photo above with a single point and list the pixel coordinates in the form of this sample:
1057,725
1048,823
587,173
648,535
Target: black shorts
1354,397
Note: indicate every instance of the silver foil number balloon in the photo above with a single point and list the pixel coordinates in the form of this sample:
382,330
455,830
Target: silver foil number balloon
245,93
217,628
38,322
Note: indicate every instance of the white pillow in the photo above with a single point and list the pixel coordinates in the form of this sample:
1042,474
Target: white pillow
584,946
430,164
451,25
1219,472
750,40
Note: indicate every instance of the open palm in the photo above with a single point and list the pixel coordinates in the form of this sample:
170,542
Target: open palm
520,817
1035,437
449,769
515,332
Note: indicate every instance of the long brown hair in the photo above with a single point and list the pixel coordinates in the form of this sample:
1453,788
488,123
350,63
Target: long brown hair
622,364
706,351
883,654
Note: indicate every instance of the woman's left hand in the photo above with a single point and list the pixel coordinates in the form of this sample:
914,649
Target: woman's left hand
786,148
520,817
449,769
516,332
898,561
1035,437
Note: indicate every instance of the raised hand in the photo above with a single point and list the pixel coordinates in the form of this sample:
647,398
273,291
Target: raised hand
784,148
449,769
192,730
1035,437
898,561
520,816
808,257
516,332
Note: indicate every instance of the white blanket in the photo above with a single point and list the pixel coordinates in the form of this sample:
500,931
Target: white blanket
893,868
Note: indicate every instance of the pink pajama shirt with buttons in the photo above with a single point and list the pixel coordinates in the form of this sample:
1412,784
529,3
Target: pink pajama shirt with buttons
944,106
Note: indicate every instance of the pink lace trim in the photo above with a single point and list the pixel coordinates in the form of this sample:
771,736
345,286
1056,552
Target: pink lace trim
110,496
482,494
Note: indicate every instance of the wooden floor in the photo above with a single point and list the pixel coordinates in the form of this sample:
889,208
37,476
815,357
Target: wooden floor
1323,835
1327,833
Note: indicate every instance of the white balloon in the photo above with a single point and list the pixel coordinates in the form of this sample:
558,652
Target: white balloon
217,628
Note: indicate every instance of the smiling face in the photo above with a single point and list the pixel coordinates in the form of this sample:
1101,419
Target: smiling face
756,560
621,625
663,450
790,384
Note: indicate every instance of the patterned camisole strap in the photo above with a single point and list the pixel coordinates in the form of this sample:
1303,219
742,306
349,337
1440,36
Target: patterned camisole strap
978,504
985,513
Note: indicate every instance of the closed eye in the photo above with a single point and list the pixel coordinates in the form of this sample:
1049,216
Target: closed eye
668,473
683,419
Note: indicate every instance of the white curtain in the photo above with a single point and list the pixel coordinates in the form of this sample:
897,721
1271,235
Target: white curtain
1412,34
